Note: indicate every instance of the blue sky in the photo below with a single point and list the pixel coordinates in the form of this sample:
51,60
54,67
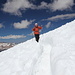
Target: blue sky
17,17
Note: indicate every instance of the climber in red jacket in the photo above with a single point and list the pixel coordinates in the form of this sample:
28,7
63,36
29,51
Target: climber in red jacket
36,31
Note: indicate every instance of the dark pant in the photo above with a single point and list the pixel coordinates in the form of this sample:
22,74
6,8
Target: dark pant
37,37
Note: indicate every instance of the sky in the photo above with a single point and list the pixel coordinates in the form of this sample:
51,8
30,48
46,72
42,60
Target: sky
17,17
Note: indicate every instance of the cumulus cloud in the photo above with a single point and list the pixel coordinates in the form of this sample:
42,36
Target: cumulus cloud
12,37
15,6
31,34
23,24
43,5
61,17
48,24
62,5
1,26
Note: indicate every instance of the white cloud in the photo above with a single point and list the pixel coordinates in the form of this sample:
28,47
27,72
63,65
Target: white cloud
48,24
15,6
1,26
23,24
12,37
43,5
62,5
58,17
31,34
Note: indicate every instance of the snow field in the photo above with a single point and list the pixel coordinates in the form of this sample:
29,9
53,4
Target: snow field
53,55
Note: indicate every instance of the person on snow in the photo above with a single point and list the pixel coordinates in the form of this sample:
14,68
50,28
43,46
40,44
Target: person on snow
36,31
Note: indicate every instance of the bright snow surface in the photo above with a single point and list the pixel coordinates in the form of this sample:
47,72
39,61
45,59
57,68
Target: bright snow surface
53,55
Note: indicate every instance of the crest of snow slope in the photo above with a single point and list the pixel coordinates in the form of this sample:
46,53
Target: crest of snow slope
53,55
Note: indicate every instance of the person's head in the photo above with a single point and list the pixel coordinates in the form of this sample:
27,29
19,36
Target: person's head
36,24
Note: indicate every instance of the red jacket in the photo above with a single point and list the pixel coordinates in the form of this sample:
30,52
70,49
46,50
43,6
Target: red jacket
36,29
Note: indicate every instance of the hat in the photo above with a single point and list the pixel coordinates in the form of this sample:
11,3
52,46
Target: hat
36,24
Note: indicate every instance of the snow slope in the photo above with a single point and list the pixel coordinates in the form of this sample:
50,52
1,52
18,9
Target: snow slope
53,55
24,59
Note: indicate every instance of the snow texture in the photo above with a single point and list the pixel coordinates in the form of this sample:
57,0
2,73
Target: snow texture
53,55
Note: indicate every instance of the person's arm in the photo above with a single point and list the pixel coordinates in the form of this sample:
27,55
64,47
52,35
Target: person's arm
39,27
33,29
